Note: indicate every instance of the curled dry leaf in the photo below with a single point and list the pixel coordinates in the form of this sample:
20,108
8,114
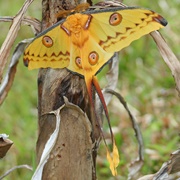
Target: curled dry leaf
10,74
112,77
5,145
169,57
48,146
112,80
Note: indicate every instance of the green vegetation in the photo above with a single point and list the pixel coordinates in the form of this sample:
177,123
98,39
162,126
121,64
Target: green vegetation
144,80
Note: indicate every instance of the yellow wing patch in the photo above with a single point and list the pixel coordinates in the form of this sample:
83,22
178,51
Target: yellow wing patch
49,50
131,25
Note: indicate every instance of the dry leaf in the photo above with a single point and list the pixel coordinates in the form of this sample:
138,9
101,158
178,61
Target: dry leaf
48,146
169,57
5,144
13,31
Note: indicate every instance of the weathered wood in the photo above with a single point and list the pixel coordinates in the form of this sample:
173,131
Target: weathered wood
74,154
71,158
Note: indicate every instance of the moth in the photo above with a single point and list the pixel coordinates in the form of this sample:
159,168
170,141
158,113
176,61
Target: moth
84,42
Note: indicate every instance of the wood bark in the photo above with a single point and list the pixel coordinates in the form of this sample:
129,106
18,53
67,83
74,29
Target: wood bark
74,154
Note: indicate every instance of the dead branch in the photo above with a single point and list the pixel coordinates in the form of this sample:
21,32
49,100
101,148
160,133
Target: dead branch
34,23
167,169
14,168
12,34
136,165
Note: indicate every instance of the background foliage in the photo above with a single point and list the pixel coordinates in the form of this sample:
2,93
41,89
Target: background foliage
144,80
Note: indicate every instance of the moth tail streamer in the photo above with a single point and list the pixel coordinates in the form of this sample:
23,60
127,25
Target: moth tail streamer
113,158
101,97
